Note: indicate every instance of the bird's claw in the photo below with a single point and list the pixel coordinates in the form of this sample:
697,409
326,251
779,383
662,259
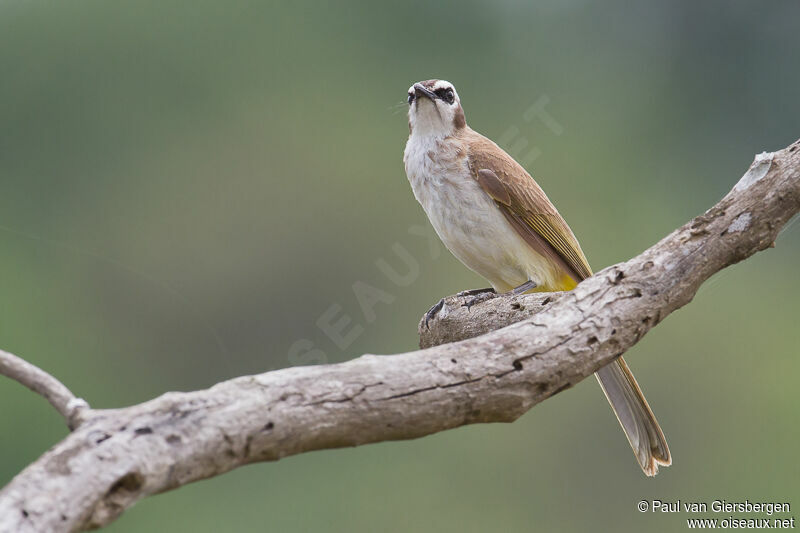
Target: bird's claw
473,292
480,297
433,311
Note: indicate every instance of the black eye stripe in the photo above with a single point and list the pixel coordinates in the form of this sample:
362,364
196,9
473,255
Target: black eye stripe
446,94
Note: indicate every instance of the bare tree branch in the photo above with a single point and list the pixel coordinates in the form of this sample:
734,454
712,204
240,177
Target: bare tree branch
116,457
40,382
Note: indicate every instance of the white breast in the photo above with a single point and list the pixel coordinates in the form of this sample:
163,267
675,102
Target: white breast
466,219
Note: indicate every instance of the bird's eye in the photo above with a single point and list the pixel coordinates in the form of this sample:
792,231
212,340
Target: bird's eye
446,94
410,98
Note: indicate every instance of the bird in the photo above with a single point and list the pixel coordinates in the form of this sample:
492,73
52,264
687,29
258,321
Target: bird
493,216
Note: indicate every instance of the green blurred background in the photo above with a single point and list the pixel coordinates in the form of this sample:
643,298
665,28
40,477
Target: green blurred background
186,187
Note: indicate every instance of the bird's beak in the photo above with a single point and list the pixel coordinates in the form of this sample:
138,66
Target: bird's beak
421,90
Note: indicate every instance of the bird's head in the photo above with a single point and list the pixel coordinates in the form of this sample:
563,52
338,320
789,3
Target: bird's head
434,109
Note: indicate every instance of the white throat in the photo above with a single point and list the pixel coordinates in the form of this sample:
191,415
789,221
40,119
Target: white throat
429,121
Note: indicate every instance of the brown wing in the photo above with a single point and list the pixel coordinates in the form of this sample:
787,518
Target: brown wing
526,207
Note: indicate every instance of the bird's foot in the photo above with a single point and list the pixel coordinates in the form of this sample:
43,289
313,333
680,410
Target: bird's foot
433,311
483,295
477,296
473,292
525,287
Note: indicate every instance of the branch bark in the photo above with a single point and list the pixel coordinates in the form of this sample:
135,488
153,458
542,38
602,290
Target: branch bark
552,341
40,382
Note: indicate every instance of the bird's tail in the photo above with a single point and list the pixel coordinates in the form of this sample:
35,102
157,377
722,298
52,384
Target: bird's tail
635,416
